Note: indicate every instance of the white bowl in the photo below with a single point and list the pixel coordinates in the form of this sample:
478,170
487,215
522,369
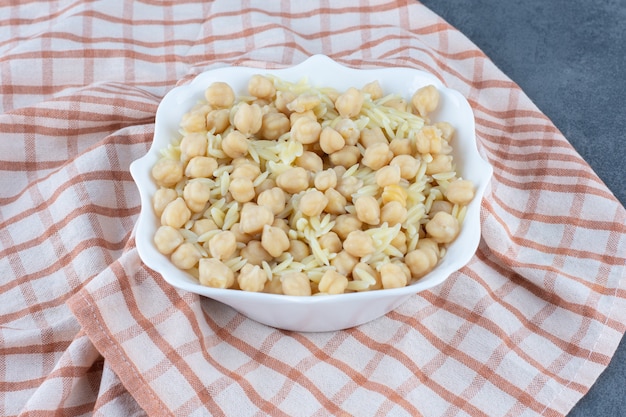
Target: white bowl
316,313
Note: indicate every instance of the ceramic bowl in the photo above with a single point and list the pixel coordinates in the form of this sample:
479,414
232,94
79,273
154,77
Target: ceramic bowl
315,313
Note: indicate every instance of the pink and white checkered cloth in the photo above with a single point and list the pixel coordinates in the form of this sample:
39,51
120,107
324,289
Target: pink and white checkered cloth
85,329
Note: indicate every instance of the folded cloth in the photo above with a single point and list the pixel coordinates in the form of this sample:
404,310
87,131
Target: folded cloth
86,329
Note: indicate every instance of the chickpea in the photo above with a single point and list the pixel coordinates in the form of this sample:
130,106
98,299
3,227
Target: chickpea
310,161
266,184
446,129
201,226
241,189
408,166
348,186
306,130
367,210
387,175
193,144
223,245
363,267
425,100
401,146
167,172
428,140
295,283
333,282
460,192
331,140
443,227
346,223
274,199
185,256
440,163
167,239
336,202
359,244
220,95
293,180
283,98
349,103
313,202
299,250
201,167
373,89
248,118
431,248
440,205
214,273
304,102
393,213
370,136
235,144
261,87
217,120
282,224
245,169
274,125
346,157
240,236
161,198
344,262
295,116
348,130
419,263
254,253
324,180
193,122
394,192
252,278
254,217
377,156
399,242
392,276
176,214
274,240
196,194
331,242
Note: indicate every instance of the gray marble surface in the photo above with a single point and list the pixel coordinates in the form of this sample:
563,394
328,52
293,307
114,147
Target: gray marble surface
569,57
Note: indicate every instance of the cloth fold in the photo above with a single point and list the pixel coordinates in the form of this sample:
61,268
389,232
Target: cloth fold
86,329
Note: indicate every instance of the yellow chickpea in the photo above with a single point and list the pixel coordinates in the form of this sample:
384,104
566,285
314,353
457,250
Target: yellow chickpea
336,202
193,121
296,283
245,169
440,163
392,276
443,227
348,130
235,144
274,240
304,102
167,172
253,218
446,129
266,184
373,89
370,136
312,203
333,282
346,223
387,175
217,120
274,199
193,144
419,263
283,98
254,253
310,161
196,194
306,130
440,205
176,214
201,167
223,245
241,189
331,140
248,118
425,100
394,192
201,226
274,125
299,250
399,242
344,262
214,273
185,256
252,278
240,236
293,180
295,116
367,210
460,192
349,103
348,186
377,155
359,244
408,166
324,180
331,242
431,248
428,140
161,198
393,213
261,87
167,239
400,146
219,95
348,156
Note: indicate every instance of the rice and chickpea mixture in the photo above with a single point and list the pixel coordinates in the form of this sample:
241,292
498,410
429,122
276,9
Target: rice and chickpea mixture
299,190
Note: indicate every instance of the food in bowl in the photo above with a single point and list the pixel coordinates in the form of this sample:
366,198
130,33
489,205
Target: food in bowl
299,189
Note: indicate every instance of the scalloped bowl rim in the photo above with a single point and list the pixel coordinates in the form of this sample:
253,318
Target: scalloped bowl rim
321,71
